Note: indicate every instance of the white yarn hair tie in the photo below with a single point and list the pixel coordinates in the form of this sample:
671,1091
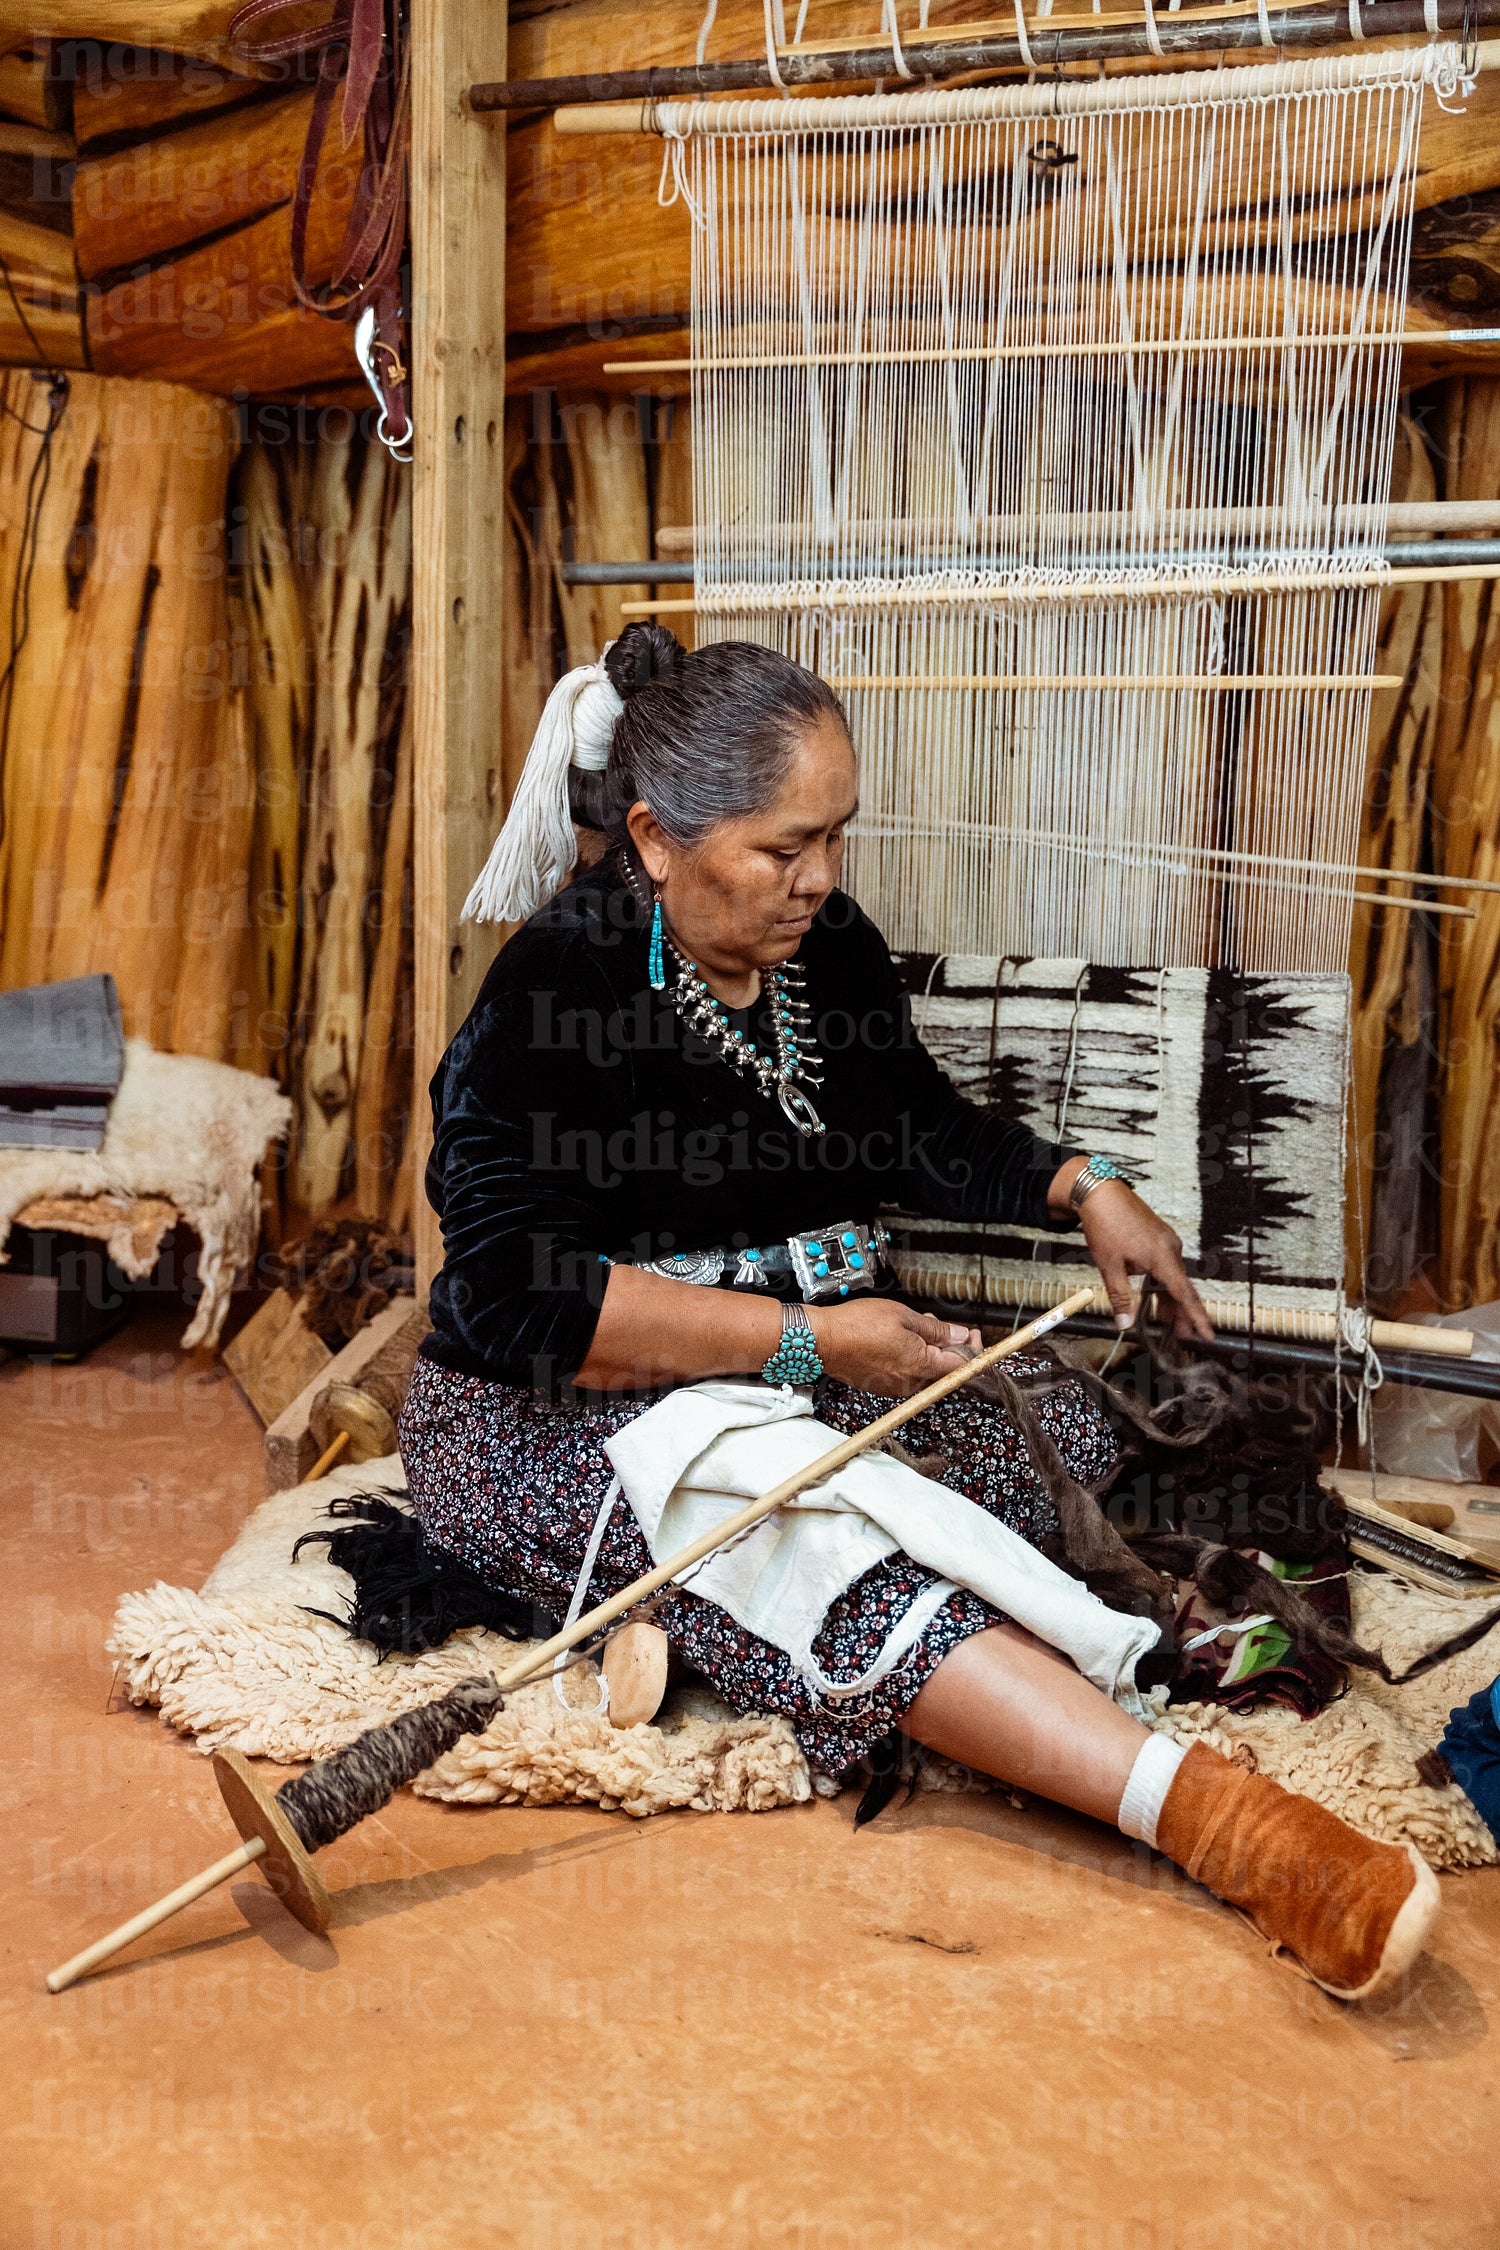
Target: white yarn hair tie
535,852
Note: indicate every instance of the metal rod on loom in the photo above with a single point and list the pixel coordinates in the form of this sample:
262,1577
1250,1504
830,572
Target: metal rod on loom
1437,518
1050,41
1400,555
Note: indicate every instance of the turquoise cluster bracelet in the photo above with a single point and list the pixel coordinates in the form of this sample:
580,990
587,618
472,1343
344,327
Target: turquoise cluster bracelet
795,1359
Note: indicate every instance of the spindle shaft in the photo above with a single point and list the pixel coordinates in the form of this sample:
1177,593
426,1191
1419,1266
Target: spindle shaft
209,1879
327,1457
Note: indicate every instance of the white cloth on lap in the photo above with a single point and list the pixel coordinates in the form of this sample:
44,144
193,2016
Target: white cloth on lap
701,1452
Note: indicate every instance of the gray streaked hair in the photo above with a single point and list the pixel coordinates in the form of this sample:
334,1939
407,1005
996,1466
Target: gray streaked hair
705,736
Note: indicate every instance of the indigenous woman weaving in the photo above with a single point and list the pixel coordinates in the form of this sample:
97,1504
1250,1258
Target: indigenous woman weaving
662,1142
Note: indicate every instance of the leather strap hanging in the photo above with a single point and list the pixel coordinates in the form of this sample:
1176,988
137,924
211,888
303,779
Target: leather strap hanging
362,47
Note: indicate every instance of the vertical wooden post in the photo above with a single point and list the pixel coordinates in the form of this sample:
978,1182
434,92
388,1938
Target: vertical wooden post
458,356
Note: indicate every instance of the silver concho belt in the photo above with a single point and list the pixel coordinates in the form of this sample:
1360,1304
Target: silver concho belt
826,1262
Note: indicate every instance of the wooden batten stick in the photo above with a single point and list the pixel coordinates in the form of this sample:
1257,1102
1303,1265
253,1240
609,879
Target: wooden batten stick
1186,858
272,1833
1309,1323
1438,882
1412,905
1224,683
1431,574
905,596
1102,348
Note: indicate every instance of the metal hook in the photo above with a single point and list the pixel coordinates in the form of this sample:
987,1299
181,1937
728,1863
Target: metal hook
365,347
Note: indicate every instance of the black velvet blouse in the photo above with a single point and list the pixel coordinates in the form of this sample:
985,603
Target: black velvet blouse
576,1120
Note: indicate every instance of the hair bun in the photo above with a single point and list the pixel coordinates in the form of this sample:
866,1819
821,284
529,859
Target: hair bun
643,654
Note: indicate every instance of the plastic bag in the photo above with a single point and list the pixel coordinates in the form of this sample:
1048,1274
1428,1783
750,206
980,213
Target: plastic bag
1422,1433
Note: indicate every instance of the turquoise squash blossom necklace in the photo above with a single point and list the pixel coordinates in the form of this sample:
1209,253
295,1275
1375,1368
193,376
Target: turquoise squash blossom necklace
791,1023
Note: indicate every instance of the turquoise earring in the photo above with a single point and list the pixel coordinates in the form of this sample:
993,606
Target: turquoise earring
656,968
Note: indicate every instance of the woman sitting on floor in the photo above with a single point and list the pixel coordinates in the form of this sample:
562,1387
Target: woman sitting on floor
691,1057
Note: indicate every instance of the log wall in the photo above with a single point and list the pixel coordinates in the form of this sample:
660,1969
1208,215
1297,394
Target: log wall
1465,840
1424,1179
205,767
128,799
321,606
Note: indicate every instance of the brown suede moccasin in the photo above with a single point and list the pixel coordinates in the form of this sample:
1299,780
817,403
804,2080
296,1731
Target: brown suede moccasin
1354,1913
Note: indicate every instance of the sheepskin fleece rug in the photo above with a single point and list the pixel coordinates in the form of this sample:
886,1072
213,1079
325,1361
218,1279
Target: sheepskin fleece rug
183,1128
242,1663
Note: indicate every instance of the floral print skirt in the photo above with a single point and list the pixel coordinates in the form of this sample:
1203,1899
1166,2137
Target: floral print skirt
512,1486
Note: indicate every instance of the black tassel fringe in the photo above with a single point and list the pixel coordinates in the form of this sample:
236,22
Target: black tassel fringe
408,1596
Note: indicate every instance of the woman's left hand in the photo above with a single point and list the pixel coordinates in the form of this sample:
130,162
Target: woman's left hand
1126,1236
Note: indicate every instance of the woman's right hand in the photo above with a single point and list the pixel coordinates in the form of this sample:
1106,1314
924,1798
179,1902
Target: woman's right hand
878,1345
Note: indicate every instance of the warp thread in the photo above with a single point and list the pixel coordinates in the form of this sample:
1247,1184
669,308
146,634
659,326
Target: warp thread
867,498
340,1791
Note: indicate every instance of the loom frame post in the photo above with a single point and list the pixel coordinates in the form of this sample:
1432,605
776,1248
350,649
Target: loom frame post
458,231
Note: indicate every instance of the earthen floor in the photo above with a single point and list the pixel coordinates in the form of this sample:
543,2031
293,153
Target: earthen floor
971,2024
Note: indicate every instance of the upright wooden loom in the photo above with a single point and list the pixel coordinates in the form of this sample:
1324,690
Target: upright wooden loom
1054,425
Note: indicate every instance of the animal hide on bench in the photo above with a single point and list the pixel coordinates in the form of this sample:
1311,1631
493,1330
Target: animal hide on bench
183,1128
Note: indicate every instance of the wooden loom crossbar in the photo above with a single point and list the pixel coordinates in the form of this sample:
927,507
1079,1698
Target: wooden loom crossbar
1103,347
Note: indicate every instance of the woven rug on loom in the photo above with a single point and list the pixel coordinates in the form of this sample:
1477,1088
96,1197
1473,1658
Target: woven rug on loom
242,1663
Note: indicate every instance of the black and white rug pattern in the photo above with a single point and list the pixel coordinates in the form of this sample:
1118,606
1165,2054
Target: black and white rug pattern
1221,1095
